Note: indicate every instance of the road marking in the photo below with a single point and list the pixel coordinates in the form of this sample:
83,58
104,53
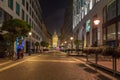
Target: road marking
4,63
15,64
10,66
64,61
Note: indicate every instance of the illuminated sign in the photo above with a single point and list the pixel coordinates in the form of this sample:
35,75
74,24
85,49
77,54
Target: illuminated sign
88,26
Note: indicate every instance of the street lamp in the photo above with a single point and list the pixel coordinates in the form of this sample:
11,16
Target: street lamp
96,23
71,38
65,42
30,33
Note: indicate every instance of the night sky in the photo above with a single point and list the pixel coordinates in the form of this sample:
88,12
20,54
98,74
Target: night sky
53,12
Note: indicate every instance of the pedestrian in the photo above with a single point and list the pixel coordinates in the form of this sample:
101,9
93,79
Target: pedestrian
18,53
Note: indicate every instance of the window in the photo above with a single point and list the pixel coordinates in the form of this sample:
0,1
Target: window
17,9
27,5
111,32
10,4
118,7
32,24
104,35
23,15
32,14
26,18
23,2
30,1
104,14
97,1
29,21
30,11
119,31
111,10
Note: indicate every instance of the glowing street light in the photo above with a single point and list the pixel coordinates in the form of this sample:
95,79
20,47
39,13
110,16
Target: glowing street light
65,42
96,22
30,33
71,38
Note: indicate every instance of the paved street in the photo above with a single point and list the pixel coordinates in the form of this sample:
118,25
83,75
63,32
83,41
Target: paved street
50,66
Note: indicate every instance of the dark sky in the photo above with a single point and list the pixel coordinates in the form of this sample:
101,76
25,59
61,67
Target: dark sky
53,11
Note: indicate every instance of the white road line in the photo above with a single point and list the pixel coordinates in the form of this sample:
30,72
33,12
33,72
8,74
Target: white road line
64,61
15,64
4,63
10,66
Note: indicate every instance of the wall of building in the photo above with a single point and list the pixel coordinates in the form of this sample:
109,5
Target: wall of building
96,11
30,11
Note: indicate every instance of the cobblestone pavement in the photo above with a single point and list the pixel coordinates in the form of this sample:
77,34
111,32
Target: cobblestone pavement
50,66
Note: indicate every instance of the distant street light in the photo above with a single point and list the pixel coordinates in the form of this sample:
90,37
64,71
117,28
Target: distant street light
65,42
71,38
30,33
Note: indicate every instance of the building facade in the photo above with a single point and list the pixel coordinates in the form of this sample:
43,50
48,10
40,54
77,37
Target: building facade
47,37
27,10
107,32
67,30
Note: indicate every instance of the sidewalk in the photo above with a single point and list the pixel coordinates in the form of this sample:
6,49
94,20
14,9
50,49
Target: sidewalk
7,60
104,62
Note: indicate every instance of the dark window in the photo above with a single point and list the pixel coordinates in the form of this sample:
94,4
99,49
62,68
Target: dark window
27,5
111,10
30,11
17,8
29,21
10,4
118,7
26,18
30,1
32,14
23,14
23,2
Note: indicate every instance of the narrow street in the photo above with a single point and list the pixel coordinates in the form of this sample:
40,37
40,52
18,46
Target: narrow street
49,66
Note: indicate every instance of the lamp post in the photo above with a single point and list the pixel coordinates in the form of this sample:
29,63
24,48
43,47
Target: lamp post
96,23
71,38
65,44
30,34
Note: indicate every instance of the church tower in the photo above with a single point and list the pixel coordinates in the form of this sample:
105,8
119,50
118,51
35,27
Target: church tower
54,40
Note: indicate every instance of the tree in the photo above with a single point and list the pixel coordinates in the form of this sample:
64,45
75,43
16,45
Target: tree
37,44
43,44
15,28
77,43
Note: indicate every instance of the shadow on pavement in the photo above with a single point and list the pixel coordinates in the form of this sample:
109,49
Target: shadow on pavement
102,77
81,65
90,70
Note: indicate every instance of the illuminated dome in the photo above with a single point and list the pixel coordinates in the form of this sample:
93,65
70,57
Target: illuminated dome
55,40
